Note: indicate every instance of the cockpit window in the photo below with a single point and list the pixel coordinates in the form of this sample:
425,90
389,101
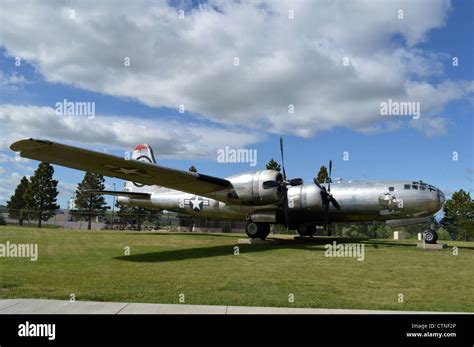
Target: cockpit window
407,186
414,186
422,187
391,189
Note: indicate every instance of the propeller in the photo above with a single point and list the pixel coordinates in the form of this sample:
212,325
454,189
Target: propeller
284,186
284,183
327,197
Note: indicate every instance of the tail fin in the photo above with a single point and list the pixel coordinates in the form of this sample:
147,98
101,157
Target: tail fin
142,152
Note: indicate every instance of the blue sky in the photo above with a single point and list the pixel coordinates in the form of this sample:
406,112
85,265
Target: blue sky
377,148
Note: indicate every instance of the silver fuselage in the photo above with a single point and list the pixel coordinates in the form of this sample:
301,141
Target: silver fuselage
359,200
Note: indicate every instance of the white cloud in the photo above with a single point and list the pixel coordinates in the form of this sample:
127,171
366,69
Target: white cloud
169,138
282,61
11,80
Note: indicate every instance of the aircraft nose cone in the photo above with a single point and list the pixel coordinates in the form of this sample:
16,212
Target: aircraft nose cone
441,198
438,199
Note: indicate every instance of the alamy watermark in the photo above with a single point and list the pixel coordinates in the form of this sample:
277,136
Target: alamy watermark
37,330
345,250
19,250
237,155
400,108
78,108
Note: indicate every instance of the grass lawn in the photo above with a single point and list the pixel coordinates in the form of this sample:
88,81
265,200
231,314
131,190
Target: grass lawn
92,265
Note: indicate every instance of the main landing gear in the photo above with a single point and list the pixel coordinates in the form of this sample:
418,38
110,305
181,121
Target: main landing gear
257,230
306,230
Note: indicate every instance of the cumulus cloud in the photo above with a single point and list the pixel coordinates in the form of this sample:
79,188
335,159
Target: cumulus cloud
282,61
170,138
11,80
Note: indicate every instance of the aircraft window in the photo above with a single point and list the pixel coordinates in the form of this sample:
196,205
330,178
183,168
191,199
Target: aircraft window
422,187
414,187
407,186
391,189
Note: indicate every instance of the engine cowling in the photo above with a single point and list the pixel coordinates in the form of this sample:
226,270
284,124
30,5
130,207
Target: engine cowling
249,188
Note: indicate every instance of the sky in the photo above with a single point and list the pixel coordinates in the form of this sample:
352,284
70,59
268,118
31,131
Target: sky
194,78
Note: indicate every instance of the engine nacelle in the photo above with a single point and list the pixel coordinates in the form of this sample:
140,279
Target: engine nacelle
248,187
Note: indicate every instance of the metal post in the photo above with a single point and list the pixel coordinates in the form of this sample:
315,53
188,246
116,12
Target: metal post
113,210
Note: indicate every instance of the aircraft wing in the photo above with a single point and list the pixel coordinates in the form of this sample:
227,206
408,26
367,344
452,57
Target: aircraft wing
395,223
114,166
132,195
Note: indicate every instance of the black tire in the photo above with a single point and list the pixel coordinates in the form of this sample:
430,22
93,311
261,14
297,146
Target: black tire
257,230
431,236
265,230
306,230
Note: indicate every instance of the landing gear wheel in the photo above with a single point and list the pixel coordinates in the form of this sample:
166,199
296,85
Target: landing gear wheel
306,230
431,236
257,230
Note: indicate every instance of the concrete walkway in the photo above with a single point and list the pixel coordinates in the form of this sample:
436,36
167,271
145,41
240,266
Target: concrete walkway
42,306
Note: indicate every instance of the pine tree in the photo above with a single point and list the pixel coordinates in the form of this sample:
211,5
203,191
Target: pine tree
322,174
458,217
89,205
17,203
41,194
125,214
273,165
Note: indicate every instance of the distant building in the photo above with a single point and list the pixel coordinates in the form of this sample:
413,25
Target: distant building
72,204
188,223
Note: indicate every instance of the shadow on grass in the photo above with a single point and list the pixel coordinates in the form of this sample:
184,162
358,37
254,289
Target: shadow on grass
207,252
182,233
307,244
465,247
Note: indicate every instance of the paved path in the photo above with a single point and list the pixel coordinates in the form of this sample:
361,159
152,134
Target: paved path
42,306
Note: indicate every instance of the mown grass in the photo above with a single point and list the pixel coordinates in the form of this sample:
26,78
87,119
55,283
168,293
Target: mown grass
92,265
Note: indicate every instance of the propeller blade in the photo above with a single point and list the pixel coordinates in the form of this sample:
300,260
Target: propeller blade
317,183
270,184
335,203
285,207
329,176
282,159
326,215
284,186
327,197
296,181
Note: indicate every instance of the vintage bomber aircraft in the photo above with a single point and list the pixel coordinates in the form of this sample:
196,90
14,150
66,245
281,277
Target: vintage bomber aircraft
261,198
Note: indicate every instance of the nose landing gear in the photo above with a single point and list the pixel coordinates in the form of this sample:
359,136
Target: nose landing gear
430,236
306,230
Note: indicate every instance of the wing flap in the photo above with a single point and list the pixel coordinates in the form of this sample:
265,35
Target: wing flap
405,222
114,166
132,195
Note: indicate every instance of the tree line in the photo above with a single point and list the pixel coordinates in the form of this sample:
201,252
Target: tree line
36,199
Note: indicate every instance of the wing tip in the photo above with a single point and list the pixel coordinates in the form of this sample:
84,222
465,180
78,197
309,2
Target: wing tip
28,143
